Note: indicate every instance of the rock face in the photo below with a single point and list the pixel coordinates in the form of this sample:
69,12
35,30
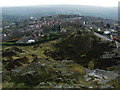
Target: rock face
34,74
102,74
102,78
49,72
109,59
60,74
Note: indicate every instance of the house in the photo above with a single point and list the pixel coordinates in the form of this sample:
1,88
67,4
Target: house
117,38
80,17
84,23
106,32
63,30
31,18
99,29
4,35
31,26
112,30
91,28
31,41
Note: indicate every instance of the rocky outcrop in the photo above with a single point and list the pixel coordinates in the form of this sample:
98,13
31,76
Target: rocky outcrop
101,77
109,59
41,72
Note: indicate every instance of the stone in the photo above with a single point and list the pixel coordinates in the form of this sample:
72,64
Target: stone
106,86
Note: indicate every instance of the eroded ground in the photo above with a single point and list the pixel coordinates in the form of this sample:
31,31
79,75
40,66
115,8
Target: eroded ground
72,62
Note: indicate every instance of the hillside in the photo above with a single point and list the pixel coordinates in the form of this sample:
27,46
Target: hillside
53,64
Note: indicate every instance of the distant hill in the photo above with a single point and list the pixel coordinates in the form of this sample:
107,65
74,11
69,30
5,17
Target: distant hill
18,13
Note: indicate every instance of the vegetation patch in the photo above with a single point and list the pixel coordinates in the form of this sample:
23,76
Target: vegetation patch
81,47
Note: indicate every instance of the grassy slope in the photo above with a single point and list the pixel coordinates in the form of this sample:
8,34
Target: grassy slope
39,51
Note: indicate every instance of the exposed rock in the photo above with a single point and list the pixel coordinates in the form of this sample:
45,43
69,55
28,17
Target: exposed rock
100,76
107,86
108,59
44,71
32,74
114,68
103,82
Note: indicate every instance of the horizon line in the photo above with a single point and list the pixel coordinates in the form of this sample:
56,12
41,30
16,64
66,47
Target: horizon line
59,5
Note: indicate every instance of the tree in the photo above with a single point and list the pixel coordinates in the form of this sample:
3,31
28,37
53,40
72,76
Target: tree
108,26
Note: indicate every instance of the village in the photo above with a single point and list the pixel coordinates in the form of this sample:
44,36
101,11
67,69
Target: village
32,30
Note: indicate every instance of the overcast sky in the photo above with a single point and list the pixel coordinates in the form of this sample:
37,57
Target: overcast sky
106,3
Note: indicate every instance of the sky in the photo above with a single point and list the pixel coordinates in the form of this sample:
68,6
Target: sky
105,3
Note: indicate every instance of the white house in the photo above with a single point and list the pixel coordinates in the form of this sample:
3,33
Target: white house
84,23
31,17
31,41
79,17
112,30
106,32
99,29
4,35
91,27
63,30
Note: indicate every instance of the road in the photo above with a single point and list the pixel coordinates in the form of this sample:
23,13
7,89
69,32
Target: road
103,37
108,39
117,44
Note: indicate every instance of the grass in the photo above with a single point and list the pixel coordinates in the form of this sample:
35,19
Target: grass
91,65
15,85
37,49
77,69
